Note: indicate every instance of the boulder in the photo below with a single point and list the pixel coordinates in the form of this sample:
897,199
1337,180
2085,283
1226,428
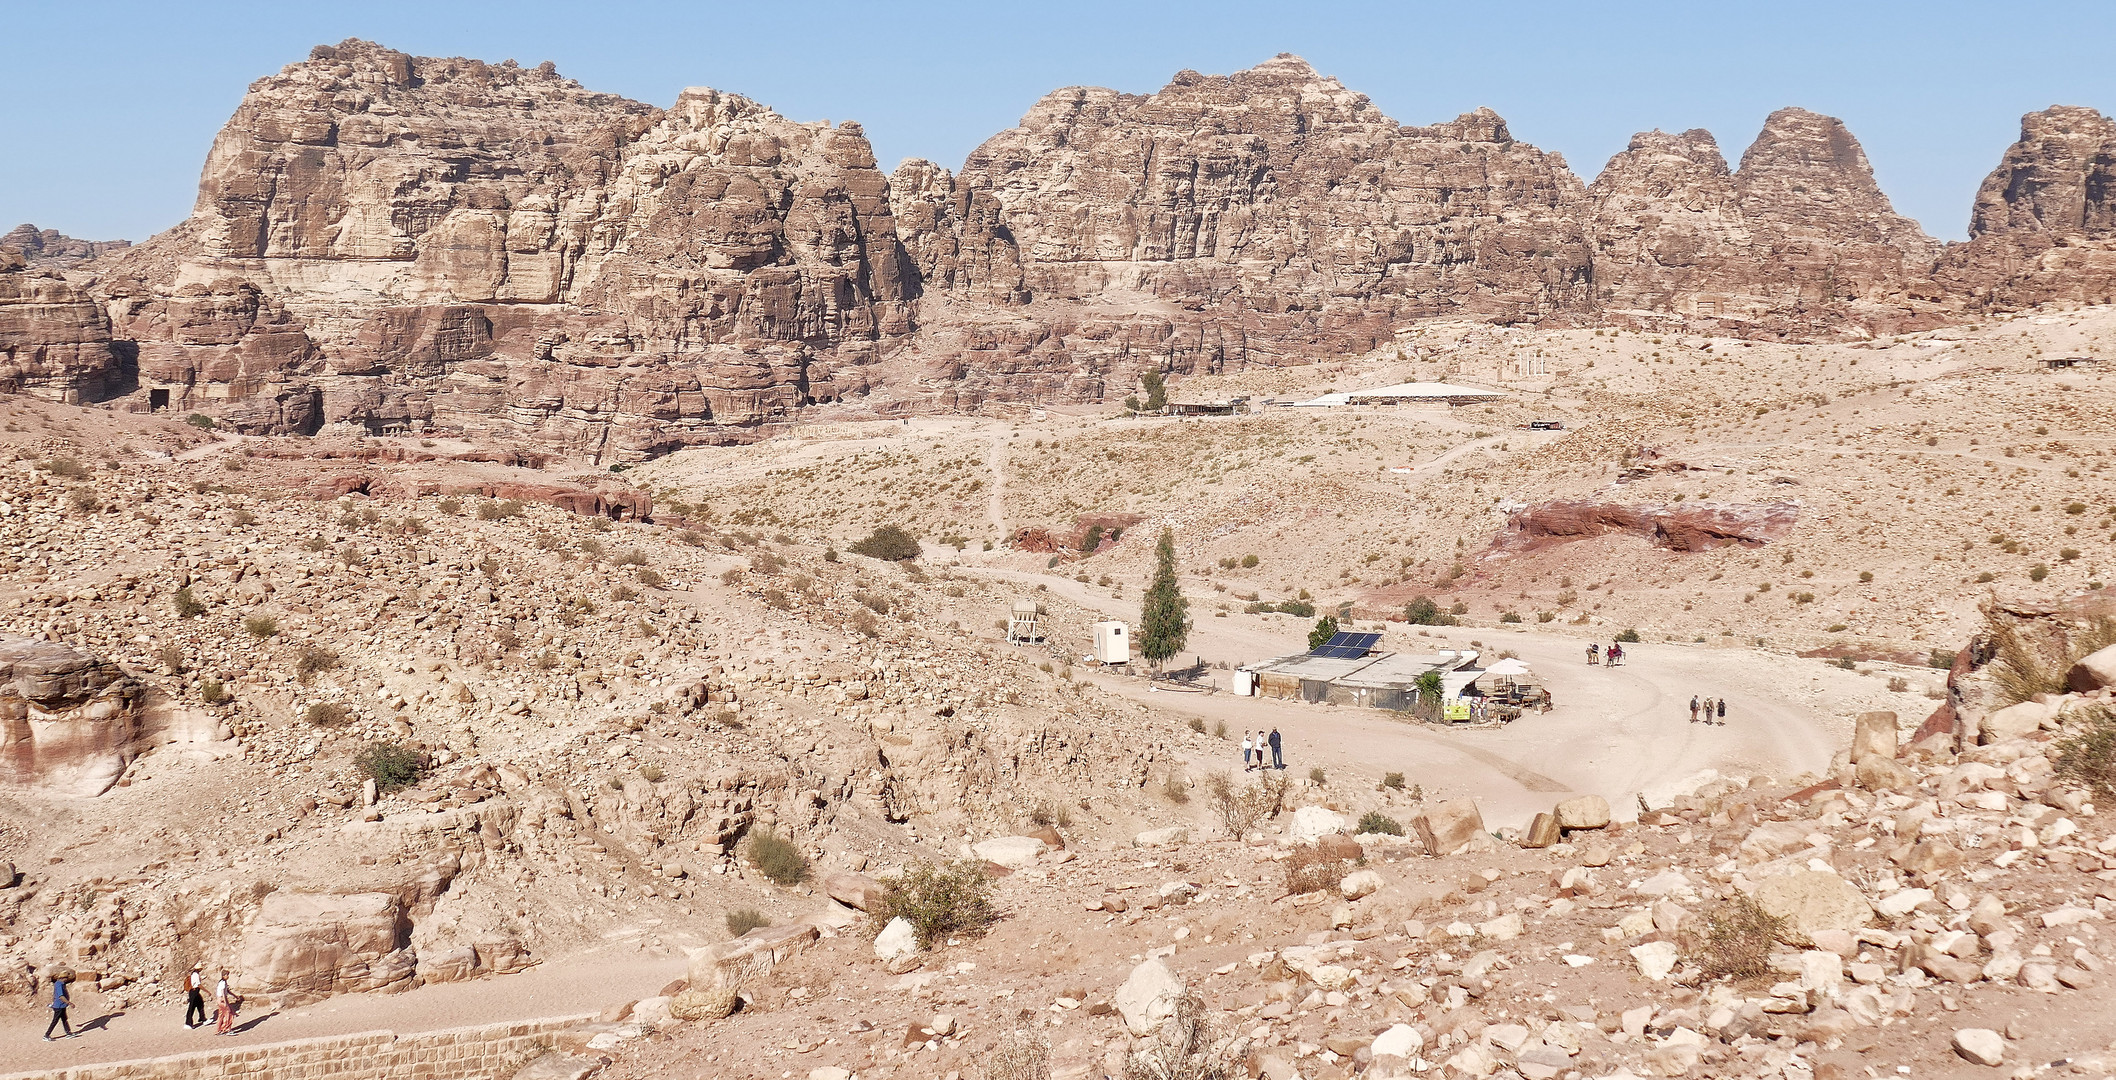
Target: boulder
1542,832
753,954
1012,852
1448,827
1148,997
853,890
1360,883
1583,812
1655,959
1168,837
1877,773
897,940
1400,1041
1981,1046
1928,857
558,1065
711,1003
2094,671
1340,846
1311,823
1873,736
2013,721
1811,900
308,946
69,722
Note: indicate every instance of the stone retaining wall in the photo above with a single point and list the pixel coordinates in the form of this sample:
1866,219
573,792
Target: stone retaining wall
490,1052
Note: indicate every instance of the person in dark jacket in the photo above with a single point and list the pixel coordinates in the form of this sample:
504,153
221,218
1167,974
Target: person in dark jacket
1722,710
60,1002
1277,762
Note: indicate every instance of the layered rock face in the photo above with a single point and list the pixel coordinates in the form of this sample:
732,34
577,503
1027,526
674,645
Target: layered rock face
51,249
392,241
1265,217
1797,241
69,722
2044,225
388,242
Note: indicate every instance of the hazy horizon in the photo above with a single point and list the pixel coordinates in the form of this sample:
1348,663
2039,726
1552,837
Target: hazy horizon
111,149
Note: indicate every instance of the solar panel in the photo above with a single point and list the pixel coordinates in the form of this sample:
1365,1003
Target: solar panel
1346,646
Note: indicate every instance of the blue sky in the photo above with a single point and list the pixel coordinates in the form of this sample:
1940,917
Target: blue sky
107,108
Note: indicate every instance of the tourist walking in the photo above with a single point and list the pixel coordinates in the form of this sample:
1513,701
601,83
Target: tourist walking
195,997
1594,653
1722,712
1616,653
1277,762
1693,708
61,1000
224,1005
1247,748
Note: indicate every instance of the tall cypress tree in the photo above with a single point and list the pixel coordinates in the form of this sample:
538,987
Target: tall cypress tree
1164,616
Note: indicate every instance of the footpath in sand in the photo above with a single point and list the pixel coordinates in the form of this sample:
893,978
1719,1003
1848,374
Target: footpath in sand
1616,732
587,982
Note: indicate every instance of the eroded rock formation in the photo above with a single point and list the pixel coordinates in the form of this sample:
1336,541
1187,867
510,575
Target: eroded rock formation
69,722
387,242
53,250
1694,527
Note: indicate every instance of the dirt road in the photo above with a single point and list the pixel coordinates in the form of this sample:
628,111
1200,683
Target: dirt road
1617,732
588,982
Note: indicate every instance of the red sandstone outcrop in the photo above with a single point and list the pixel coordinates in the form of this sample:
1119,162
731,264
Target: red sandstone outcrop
386,243
69,722
53,250
2044,226
1694,527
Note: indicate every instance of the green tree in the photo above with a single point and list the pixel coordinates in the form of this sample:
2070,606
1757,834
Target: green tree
1156,391
1428,684
1325,629
1164,616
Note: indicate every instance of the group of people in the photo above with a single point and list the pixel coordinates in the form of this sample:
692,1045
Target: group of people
225,999
1595,654
1708,710
1254,747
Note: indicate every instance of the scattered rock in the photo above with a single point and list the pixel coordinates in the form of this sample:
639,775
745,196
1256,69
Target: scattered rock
897,940
1980,1045
1148,997
1583,812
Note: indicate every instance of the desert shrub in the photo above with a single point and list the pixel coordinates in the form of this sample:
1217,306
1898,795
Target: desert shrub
1309,869
1509,616
634,557
491,511
599,524
391,765
1022,1053
1738,939
1546,616
324,714
622,593
652,773
312,660
260,626
648,577
2086,755
1249,562
211,691
1185,1048
1845,662
1241,808
1377,822
200,421
1424,611
1940,658
1315,775
1393,781
1175,790
875,602
188,606
743,920
764,562
243,518
172,658
63,466
316,543
1324,629
412,526
2038,572
450,506
1219,729
1197,724
691,538
83,500
777,857
865,623
938,900
889,543
1898,684
1628,637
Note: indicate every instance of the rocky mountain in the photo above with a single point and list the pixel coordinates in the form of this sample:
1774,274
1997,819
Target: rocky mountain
388,242
2044,225
54,249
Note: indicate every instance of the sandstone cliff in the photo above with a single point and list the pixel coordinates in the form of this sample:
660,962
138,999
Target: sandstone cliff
2044,225
52,249
384,242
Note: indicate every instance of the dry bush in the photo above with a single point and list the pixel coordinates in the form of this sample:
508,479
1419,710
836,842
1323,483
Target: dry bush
1242,807
1184,1049
324,714
211,691
1377,822
1022,1053
63,466
187,605
1175,790
260,626
83,500
2026,663
743,920
777,857
172,658
1739,937
2087,754
1310,869
938,901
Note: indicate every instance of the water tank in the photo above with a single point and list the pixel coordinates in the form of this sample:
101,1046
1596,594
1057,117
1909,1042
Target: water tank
1112,643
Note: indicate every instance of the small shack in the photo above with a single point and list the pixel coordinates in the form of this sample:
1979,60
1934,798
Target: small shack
1222,407
1112,643
1025,623
1348,670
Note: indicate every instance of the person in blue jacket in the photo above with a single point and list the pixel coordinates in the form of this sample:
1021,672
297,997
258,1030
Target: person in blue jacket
60,1001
